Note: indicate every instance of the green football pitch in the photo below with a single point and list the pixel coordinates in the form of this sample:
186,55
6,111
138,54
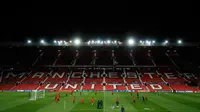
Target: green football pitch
164,102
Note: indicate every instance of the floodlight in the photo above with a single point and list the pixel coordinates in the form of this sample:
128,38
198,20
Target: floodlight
153,41
77,41
166,41
108,41
54,41
179,41
29,41
88,42
131,41
98,41
70,41
140,41
115,41
92,41
42,41
59,42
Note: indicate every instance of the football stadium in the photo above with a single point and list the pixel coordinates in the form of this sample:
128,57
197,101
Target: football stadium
100,76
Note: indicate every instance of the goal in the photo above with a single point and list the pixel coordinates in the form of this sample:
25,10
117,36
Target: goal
35,94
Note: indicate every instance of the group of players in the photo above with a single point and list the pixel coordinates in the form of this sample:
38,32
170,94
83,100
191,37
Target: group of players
100,102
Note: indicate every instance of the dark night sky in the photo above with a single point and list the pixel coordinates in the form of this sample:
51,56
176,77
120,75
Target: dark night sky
97,20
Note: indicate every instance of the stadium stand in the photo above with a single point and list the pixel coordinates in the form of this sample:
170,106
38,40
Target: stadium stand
110,68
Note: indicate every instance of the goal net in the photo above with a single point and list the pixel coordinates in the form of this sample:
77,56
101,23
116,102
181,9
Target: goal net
35,94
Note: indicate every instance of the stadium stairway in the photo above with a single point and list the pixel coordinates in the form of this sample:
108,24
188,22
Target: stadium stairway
139,77
41,54
170,58
21,81
42,82
58,56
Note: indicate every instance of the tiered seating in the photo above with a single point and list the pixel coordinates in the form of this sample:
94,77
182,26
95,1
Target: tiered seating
57,77
109,87
87,87
132,78
114,77
66,57
76,77
173,78
98,87
84,57
104,56
142,58
141,87
121,87
50,87
11,77
182,87
26,87
146,77
6,86
191,77
31,78
90,78
48,57
75,80
123,57
77,87
114,80
164,87
93,80
160,57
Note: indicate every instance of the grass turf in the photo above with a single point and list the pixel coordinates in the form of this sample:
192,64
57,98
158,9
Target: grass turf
165,102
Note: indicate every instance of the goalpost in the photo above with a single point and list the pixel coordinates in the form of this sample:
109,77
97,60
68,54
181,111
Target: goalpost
35,94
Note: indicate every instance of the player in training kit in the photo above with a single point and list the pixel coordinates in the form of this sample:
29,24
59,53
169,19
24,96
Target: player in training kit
57,98
112,92
80,93
67,93
83,100
117,102
74,99
137,94
71,92
92,100
134,99
95,93
145,97
131,93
